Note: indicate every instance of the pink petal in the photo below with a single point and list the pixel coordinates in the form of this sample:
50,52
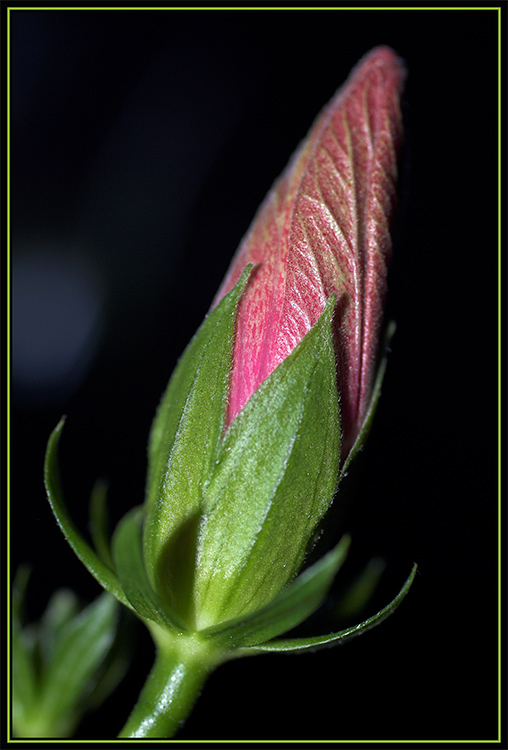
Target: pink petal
324,228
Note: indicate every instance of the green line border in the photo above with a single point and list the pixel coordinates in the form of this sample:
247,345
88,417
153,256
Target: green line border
8,380
10,9
499,360
260,7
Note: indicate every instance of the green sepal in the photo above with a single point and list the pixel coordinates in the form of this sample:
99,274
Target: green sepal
130,568
302,645
360,591
274,479
374,399
97,567
289,608
183,446
99,522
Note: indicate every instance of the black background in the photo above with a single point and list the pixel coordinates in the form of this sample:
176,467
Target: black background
146,140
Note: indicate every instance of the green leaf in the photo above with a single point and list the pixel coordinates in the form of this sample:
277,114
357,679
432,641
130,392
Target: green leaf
289,608
275,477
116,664
104,575
81,647
183,446
62,608
128,559
63,663
24,678
301,645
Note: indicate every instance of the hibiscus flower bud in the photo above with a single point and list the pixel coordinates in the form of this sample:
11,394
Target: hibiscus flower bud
262,416
324,229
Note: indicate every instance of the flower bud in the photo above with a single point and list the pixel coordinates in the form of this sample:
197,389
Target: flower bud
324,229
263,409
262,416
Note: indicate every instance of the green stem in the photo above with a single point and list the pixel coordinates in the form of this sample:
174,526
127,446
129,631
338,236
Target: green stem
171,690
